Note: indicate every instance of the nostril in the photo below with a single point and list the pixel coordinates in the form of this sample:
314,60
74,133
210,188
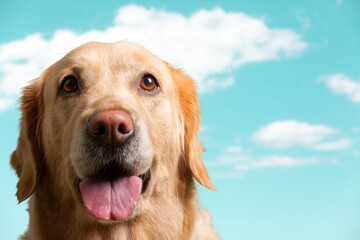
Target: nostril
97,128
101,130
124,129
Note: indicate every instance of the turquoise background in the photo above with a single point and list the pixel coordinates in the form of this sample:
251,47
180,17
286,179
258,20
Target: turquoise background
312,202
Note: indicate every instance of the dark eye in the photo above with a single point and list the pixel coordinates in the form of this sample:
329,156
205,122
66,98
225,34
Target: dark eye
148,83
69,84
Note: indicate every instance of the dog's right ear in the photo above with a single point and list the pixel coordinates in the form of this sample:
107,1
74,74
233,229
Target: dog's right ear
28,156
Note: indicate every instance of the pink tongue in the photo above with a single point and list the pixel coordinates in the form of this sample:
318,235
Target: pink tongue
111,199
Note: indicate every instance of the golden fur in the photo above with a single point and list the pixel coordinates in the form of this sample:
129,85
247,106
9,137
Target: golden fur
47,156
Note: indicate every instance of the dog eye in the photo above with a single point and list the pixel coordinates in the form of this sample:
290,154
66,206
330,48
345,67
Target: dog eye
69,84
149,83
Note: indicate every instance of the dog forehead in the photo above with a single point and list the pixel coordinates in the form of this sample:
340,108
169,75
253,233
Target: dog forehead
120,59
119,53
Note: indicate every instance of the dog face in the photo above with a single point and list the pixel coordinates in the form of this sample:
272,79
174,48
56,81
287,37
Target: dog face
110,127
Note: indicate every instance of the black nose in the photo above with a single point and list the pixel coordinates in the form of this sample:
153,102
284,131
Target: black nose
111,127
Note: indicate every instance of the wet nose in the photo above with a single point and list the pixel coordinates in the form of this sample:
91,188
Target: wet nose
111,127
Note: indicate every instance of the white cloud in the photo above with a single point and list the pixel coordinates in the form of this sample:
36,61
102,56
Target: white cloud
232,155
276,161
339,2
207,44
5,103
204,128
342,84
356,153
234,161
342,143
284,134
356,130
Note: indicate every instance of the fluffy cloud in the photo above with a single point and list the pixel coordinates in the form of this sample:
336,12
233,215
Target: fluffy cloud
341,84
208,44
234,161
342,143
283,134
276,161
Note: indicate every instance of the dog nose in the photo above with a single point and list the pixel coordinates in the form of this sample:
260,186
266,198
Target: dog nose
111,127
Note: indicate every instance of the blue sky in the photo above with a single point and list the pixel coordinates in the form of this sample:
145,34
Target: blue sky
279,85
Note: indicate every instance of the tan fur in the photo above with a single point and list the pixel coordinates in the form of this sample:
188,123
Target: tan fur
48,156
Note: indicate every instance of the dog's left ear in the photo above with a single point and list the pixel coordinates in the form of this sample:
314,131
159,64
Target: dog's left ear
190,114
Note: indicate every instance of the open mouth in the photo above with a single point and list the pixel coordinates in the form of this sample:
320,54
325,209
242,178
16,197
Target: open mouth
112,195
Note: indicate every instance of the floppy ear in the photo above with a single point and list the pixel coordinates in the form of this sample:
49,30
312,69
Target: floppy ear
190,114
27,157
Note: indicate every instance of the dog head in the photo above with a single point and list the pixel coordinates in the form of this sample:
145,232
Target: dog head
109,126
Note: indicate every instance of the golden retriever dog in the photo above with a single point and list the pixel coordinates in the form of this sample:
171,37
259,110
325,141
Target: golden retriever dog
109,149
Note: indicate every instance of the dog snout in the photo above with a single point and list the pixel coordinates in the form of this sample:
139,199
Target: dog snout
111,127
